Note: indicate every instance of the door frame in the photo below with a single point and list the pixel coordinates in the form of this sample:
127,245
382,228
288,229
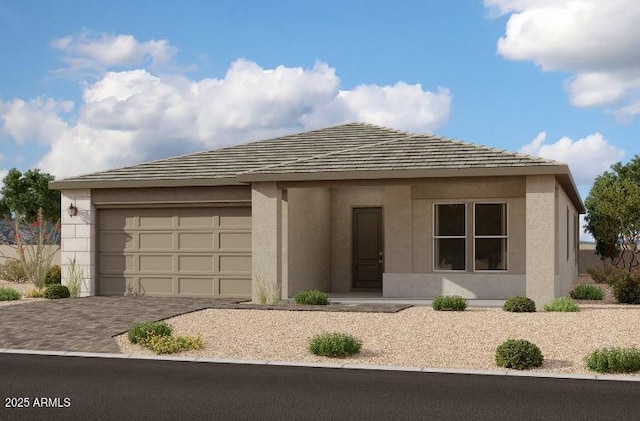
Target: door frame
353,249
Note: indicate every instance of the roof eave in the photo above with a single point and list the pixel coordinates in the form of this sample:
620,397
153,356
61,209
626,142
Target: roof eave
110,184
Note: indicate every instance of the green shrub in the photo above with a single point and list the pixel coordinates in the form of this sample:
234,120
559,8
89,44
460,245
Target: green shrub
312,297
614,360
54,275
519,354
141,331
334,345
564,304
166,344
9,294
519,305
626,288
12,271
449,303
587,292
55,291
34,293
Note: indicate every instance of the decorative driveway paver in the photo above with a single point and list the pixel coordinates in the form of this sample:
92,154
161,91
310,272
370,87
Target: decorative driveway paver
87,324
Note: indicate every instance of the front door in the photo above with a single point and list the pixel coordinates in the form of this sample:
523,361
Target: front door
367,248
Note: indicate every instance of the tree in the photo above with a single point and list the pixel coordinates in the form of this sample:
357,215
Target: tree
613,214
24,194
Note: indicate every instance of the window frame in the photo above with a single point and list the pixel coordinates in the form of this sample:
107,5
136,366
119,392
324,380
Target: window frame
435,237
506,237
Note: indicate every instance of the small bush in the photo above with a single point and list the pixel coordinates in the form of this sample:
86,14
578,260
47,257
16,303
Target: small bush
267,292
587,292
519,305
614,360
334,345
9,294
34,293
312,297
449,303
626,288
519,354
603,274
55,291
141,331
564,304
12,271
166,344
54,275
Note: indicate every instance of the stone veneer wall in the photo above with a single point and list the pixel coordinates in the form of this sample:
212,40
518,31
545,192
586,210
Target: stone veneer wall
78,238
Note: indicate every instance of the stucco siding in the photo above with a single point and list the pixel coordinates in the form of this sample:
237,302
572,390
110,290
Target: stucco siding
266,234
467,285
567,265
398,229
308,240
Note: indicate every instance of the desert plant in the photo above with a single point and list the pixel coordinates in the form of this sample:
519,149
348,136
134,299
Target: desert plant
519,354
312,297
334,345
449,303
519,304
75,274
141,331
602,274
34,293
9,294
562,304
167,344
587,292
54,275
12,271
55,291
614,360
267,292
626,288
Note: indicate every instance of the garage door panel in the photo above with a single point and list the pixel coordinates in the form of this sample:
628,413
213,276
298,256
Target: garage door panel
156,240
155,285
196,286
230,263
116,263
113,285
155,221
196,263
115,241
235,240
117,220
195,241
235,287
155,263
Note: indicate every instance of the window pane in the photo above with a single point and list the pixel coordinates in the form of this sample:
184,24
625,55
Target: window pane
491,253
491,219
450,253
450,219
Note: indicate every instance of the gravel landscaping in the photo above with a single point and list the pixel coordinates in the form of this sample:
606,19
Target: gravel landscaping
418,336
22,288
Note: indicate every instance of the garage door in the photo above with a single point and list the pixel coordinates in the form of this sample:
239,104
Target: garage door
203,252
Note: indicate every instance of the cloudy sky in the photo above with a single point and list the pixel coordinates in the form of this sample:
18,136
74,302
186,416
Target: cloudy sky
90,85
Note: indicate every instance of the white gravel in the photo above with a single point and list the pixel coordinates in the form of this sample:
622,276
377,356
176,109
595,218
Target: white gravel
23,288
415,337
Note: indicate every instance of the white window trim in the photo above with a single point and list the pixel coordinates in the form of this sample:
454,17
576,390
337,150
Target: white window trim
437,237
506,237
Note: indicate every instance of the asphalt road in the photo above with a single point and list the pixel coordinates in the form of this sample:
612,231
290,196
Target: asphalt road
72,388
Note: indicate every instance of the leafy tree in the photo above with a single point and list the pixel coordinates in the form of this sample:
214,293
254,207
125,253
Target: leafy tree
613,214
24,194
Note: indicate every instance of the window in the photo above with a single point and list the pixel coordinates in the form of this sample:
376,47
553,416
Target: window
490,236
450,239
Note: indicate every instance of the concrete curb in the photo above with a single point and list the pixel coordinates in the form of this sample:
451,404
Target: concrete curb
512,373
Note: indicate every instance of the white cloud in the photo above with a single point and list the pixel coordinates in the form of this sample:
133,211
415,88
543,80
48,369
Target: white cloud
134,116
587,157
3,174
592,39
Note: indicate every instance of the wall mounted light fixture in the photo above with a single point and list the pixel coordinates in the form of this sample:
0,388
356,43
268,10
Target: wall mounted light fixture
73,211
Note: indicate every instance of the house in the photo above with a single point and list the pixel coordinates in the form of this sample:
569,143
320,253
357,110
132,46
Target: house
349,208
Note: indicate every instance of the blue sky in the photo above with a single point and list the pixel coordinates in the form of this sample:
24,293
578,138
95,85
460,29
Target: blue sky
88,85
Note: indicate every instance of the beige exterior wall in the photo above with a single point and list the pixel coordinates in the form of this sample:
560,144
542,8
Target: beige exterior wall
9,252
541,246
308,240
567,259
167,195
78,235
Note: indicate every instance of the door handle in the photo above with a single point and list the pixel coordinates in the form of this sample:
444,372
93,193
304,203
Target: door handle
380,259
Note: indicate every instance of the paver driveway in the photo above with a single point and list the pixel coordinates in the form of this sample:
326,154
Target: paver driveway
86,324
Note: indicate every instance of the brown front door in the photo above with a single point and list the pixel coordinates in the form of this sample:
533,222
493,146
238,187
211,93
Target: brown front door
367,248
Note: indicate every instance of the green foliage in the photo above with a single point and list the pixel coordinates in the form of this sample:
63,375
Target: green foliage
12,271
34,293
562,304
614,360
9,294
613,213
587,292
54,275
334,345
312,297
141,331
519,304
167,344
449,303
25,193
519,354
55,291
626,288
